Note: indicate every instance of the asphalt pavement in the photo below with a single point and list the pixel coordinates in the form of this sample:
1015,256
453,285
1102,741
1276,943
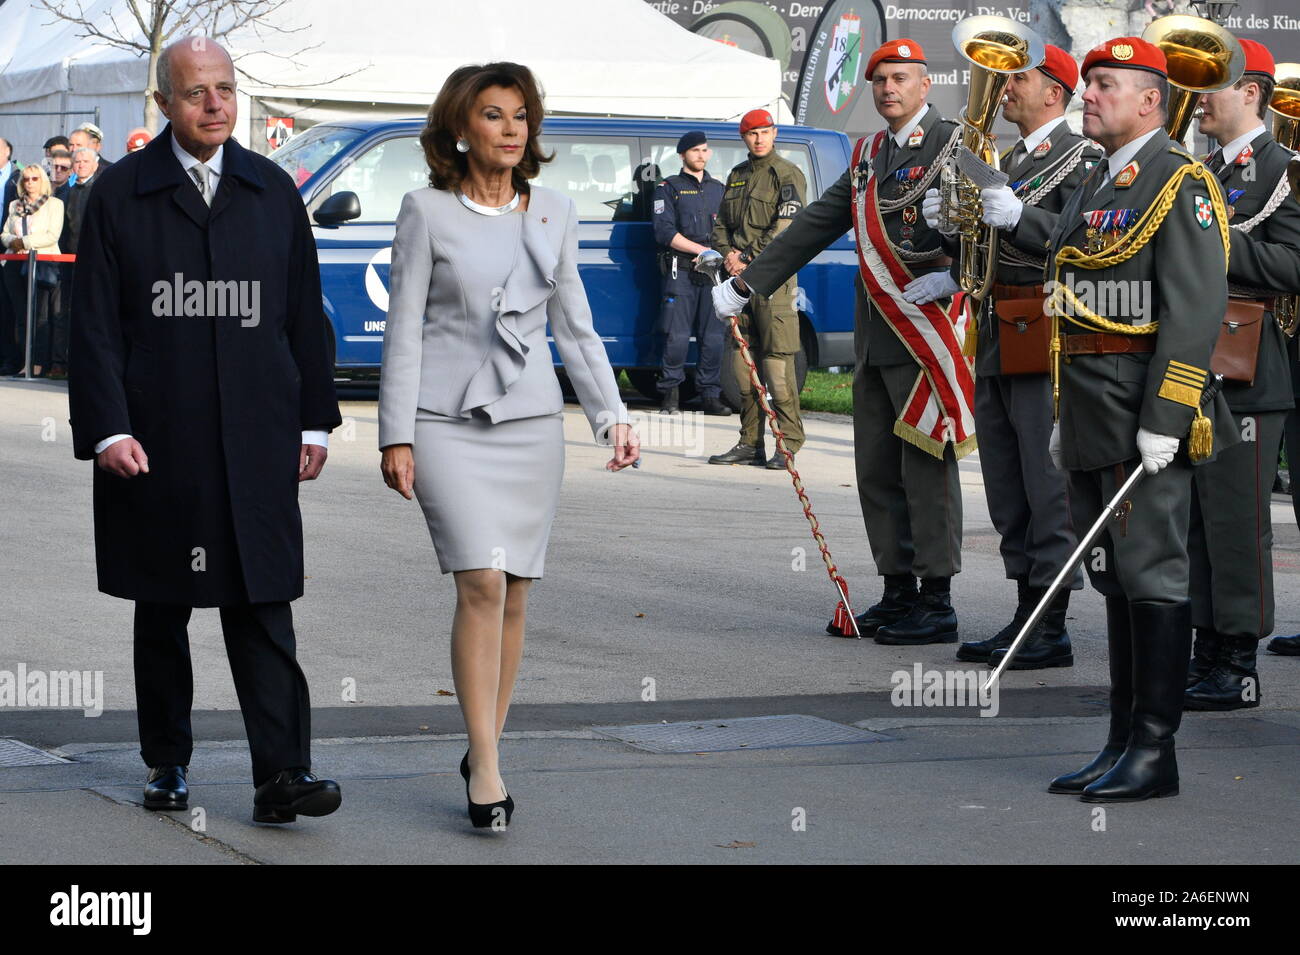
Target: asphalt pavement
678,593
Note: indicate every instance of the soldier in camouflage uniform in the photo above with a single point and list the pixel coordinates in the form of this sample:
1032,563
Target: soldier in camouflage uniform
764,193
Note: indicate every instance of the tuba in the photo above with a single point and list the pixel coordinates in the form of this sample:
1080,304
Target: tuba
1285,105
997,48
1202,57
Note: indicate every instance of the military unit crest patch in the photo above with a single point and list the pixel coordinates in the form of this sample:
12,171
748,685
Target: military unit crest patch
1204,212
1127,175
918,136
1042,149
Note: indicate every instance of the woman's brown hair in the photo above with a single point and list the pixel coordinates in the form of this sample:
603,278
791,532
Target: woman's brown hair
450,112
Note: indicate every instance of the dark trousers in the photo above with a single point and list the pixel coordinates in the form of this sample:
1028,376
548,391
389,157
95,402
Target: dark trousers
1143,556
60,316
687,310
1230,542
9,355
1026,494
272,690
16,285
1292,433
911,500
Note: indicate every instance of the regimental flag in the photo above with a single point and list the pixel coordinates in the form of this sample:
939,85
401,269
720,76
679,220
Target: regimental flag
843,62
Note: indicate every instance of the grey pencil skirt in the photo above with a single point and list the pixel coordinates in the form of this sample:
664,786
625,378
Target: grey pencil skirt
489,491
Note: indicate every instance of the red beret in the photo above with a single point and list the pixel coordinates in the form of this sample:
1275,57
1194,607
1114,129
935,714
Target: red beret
1128,53
1060,66
755,119
901,50
1258,59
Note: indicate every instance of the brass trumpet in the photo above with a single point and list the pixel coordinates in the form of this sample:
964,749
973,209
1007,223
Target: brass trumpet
997,48
1202,57
1285,106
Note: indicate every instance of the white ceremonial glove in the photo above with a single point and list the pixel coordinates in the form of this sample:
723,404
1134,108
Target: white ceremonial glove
727,301
930,209
929,287
1054,447
1157,450
1001,207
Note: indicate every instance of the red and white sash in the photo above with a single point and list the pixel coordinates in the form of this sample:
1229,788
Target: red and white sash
940,407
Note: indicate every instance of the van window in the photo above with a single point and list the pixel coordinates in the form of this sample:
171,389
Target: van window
380,177
595,172
728,153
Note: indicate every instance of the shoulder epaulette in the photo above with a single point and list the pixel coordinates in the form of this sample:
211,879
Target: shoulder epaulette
1180,151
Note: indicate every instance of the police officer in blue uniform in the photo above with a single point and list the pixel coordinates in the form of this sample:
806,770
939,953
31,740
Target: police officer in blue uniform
685,207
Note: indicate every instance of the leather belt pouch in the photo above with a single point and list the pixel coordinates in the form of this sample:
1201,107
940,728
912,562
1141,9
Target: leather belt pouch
1237,349
1024,336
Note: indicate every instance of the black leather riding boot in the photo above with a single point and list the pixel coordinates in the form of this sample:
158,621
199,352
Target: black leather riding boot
1119,640
1162,643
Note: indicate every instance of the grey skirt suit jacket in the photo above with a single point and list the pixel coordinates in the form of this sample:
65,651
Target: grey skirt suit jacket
467,375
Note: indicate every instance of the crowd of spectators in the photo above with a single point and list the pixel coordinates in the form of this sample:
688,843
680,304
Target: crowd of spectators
43,205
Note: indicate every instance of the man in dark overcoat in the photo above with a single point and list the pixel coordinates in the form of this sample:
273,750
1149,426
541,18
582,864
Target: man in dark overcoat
201,383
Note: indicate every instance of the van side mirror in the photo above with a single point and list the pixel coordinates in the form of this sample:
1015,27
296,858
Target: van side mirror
338,208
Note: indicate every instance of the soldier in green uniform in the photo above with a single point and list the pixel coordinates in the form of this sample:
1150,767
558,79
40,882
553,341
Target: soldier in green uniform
1231,542
764,193
908,488
1013,393
1139,291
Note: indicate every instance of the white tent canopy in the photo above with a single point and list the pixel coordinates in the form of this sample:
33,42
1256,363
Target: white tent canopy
386,57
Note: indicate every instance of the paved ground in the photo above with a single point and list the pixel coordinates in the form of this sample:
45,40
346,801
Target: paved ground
696,586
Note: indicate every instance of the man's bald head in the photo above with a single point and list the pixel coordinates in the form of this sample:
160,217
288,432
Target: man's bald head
182,53
196,92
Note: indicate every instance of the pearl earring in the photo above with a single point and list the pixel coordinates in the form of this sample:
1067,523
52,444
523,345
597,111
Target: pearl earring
462,145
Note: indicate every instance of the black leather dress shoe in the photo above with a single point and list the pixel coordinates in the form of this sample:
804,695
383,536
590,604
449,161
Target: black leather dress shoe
295,792
741,454
716,407
931,620
671,403
894,605
1286,646
166,788
1233,684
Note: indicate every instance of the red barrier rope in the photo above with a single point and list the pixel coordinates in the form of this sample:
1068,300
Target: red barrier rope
843,619
40,257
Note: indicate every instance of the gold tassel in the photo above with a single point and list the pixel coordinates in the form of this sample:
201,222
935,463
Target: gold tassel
1201,440
972,335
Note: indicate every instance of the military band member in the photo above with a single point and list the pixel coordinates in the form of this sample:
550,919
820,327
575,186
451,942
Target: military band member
1231,541
684,212
1013,392
1289,646
764,194
1139,290
912,396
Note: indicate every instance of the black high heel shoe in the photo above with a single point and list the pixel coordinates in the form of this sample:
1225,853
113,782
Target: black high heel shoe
484,815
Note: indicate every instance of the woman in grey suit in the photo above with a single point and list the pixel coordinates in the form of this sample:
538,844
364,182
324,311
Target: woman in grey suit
470,410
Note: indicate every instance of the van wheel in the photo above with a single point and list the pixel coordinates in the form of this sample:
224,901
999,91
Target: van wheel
731,388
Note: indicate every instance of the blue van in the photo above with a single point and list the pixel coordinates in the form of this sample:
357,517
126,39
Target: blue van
352,176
